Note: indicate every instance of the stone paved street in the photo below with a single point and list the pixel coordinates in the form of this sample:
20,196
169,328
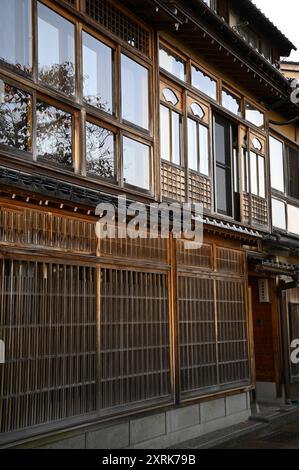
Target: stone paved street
285,436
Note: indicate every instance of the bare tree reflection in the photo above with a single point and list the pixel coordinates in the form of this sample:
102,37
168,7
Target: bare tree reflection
15,115
59,76
99,151
54,134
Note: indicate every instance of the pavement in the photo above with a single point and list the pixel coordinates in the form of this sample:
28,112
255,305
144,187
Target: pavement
270,427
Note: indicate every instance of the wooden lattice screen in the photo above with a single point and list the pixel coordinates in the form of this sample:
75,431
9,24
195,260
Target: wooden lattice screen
212,321
48,319
44,228
117,22
135,350
65,358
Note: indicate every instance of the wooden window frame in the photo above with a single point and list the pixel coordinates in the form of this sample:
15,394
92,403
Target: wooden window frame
75,137
75,104
116,138
213,77
257,108
199,122
231,168
283,196
13,150
162,44
13,68
227,88
179,109
122,183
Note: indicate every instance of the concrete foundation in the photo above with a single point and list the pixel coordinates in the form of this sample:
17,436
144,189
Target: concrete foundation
159,429
267,392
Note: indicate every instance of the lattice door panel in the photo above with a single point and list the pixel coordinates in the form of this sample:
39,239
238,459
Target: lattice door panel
48,324
135,350
213,335
232,332
197,333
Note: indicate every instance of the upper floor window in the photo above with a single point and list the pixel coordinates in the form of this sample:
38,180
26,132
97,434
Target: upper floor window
254,116
99,151
198,142
279,219
225,150
97,73
134,92
254,168
16,33
197,110
231,102
172,63
170,96
15,117
54,138
136,163
276,164
292,159
56,50
284,166
204,82
170,128
257,175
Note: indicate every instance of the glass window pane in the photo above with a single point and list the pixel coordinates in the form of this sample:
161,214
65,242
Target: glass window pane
245,181
136,163
170,96
192,145
276,164
278,214
253,174
222,142
223,190
15,117
254,116
16,33
134,90
203,150
261,163
56,51
236,169
176,140
165,133
197,110
204,83
172,63
99,151
97,73
257,144
293,165
231,102
54,135
293,219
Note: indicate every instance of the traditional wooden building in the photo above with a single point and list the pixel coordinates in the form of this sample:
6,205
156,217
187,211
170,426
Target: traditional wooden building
136,343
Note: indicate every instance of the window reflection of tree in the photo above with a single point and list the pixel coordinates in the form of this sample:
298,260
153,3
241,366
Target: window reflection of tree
59,76
99,151
54,134
15,129
97,100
